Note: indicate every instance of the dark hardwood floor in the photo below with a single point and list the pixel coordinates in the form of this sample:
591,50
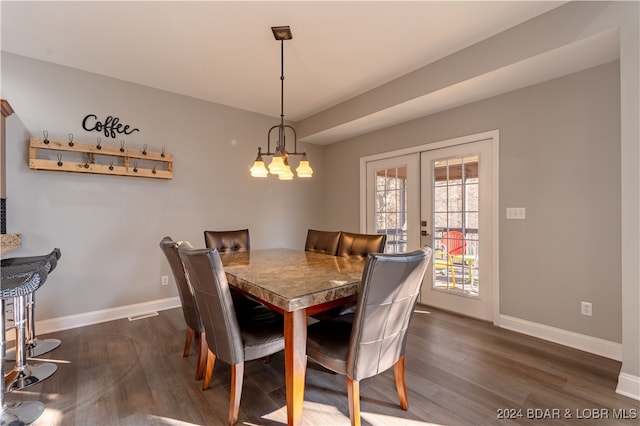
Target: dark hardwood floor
459,372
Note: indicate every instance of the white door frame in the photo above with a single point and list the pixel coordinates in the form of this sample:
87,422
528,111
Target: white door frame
494,135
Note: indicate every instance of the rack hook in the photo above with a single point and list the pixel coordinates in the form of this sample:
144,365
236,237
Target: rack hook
99,146
121,146
144,150
70,139
59,160
111,165
154,169
46,137
162,154
135,167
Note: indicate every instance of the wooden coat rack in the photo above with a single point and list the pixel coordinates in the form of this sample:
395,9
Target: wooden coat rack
98,159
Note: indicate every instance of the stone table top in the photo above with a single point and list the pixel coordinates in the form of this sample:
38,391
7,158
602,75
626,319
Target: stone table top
10,242
293,279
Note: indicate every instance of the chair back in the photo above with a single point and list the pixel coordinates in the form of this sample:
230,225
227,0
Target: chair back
386,299
189,307
358,246
211,289
325,242
454,242
228,241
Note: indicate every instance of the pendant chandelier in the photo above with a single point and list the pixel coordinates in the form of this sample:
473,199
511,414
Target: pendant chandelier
280,156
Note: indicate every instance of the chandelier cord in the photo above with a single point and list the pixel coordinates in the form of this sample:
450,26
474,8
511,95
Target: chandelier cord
281,81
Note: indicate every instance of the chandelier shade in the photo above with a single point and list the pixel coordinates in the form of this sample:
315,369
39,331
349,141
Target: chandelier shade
279,164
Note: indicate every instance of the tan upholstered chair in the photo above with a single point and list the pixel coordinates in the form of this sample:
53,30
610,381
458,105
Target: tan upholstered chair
358,246
325,242
189,307
376,339
232,336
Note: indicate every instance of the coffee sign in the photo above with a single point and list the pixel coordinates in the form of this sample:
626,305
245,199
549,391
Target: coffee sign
111,126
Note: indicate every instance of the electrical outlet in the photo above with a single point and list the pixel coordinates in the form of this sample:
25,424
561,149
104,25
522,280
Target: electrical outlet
165,280
516,213
586,309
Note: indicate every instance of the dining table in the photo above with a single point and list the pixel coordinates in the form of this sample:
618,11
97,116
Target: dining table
297,284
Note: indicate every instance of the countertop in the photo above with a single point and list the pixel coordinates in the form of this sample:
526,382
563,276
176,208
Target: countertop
10,242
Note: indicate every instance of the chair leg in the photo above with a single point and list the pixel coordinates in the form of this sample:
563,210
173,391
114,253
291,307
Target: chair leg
237,375
202,356
353,391
211,360
401,387
187,341
453,275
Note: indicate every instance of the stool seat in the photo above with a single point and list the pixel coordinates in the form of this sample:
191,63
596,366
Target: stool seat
20,280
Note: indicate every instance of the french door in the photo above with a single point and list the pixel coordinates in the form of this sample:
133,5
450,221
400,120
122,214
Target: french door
446,198
457,198
393,201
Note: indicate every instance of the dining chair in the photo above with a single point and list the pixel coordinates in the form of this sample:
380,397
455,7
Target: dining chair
353,246
189,306
358,246
325,242
232,336
228,241
236,241
376,339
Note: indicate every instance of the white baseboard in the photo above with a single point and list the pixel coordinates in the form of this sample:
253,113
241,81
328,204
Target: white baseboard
582,342
95,317
629,385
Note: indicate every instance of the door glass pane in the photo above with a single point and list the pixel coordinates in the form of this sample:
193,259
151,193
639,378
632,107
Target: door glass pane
391,207
455,231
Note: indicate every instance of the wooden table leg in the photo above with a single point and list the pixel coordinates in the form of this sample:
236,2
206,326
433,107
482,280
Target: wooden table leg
295,358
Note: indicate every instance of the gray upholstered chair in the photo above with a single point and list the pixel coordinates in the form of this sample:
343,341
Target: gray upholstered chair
232,336
227,242
358,246
189,307
325,242
375,341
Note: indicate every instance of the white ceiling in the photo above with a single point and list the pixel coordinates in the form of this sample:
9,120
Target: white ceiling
225,52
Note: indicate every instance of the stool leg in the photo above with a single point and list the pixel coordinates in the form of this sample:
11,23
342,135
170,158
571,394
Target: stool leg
35,346
20,413
23,374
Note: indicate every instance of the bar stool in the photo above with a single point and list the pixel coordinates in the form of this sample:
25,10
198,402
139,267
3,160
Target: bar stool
17,282
24,375
34,346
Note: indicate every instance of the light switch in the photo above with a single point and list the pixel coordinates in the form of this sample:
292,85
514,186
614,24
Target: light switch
516,213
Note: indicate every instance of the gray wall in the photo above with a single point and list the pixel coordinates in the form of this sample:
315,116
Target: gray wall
565,25
559,158
109,227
